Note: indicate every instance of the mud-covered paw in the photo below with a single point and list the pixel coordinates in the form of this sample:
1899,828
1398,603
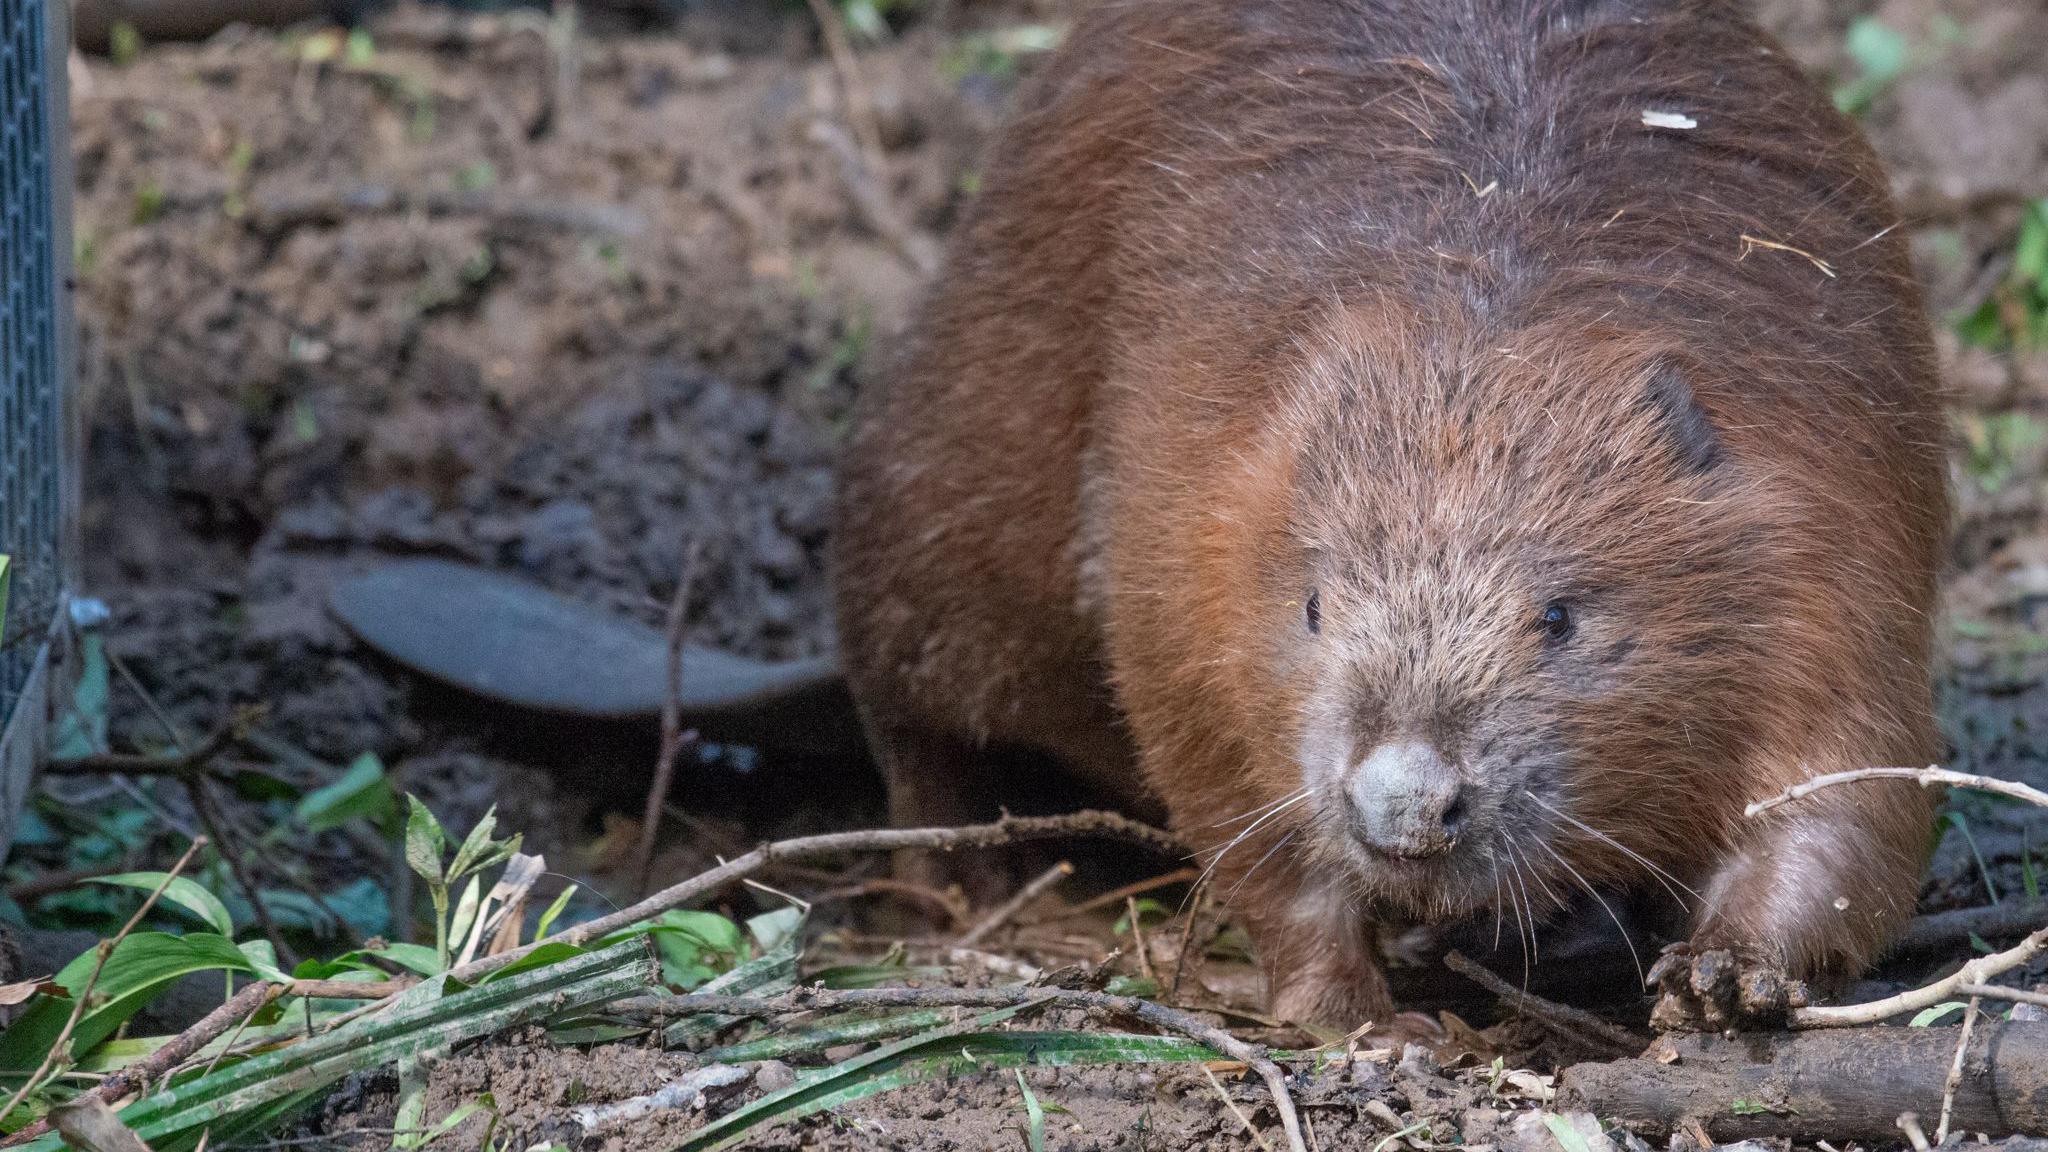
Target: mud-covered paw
1714,990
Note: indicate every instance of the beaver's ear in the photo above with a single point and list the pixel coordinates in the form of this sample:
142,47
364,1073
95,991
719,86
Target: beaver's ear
1691,431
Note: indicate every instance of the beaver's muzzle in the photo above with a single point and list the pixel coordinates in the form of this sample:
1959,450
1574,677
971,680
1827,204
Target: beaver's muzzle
1406,800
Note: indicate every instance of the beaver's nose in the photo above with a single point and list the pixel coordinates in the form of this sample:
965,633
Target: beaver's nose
1406,801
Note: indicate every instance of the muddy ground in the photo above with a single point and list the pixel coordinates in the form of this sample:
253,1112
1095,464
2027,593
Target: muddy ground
452,289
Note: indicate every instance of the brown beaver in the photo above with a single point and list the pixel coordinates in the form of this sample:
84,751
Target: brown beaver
1451,452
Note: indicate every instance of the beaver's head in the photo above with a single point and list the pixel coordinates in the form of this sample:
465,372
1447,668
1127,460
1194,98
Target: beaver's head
1522,610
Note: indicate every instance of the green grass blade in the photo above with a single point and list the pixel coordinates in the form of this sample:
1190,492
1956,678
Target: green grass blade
406,1029
844,1028
938,1054
1034,1115
771,972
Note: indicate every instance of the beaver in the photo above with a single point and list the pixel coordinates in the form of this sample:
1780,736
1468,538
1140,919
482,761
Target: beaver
1446,453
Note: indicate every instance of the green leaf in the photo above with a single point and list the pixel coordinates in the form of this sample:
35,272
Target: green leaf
1980,945
1747,1108
552,952
182,891
262,958
1926,1016
548,918
1034,1115
475,847
1148,909
770,929
2030,257
143,965
465,911
412,957
1567,1137
424,841
695,946
1881,54
363,792
772,971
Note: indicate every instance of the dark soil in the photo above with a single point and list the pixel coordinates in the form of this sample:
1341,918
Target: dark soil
574,316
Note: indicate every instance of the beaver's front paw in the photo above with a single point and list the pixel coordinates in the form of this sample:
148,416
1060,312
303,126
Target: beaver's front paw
1714,990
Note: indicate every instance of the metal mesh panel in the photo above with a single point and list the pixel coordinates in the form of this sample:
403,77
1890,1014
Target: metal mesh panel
31,431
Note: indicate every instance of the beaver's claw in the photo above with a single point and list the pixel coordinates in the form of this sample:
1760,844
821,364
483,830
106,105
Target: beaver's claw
1715,991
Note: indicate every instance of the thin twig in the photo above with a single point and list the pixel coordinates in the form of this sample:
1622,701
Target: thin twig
1978,971
210,819
1566,1021
2001,992
889,886
84,995
1138,940
1955,1071
860,108
1187,936
1927,777
673,738
1159,1016
232,1037
1235,1110
1004,912
171,727
1010,830
180,765
1940,930
1140,888
1009,966
1909,1123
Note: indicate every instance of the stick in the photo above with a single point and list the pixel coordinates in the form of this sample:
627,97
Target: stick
1009,830
1977,971
1566,1021
1955,1071
860,109
1187,935
1015,904
182,765
1845,1084
1158,1015
1138,941
209,818
1236,1111
2000,992
672,736
1107,899
1938,931
84,996
1926,777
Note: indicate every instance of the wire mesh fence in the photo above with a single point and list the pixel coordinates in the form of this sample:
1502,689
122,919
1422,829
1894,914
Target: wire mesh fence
32,436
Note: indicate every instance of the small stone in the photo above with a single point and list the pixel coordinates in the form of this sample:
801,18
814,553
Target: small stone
773,1076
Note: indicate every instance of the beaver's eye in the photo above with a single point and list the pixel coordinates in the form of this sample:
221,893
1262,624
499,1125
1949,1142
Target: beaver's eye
1315,611
1556,622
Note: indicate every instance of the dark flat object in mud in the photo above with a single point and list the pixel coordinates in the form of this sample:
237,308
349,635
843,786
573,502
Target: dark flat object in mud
514,641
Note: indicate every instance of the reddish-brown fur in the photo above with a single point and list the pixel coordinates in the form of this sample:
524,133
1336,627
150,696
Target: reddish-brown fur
1401,303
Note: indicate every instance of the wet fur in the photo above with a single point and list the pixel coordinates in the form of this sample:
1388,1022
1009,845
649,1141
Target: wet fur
1402,303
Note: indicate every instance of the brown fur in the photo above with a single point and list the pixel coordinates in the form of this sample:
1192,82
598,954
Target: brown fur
1401,303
